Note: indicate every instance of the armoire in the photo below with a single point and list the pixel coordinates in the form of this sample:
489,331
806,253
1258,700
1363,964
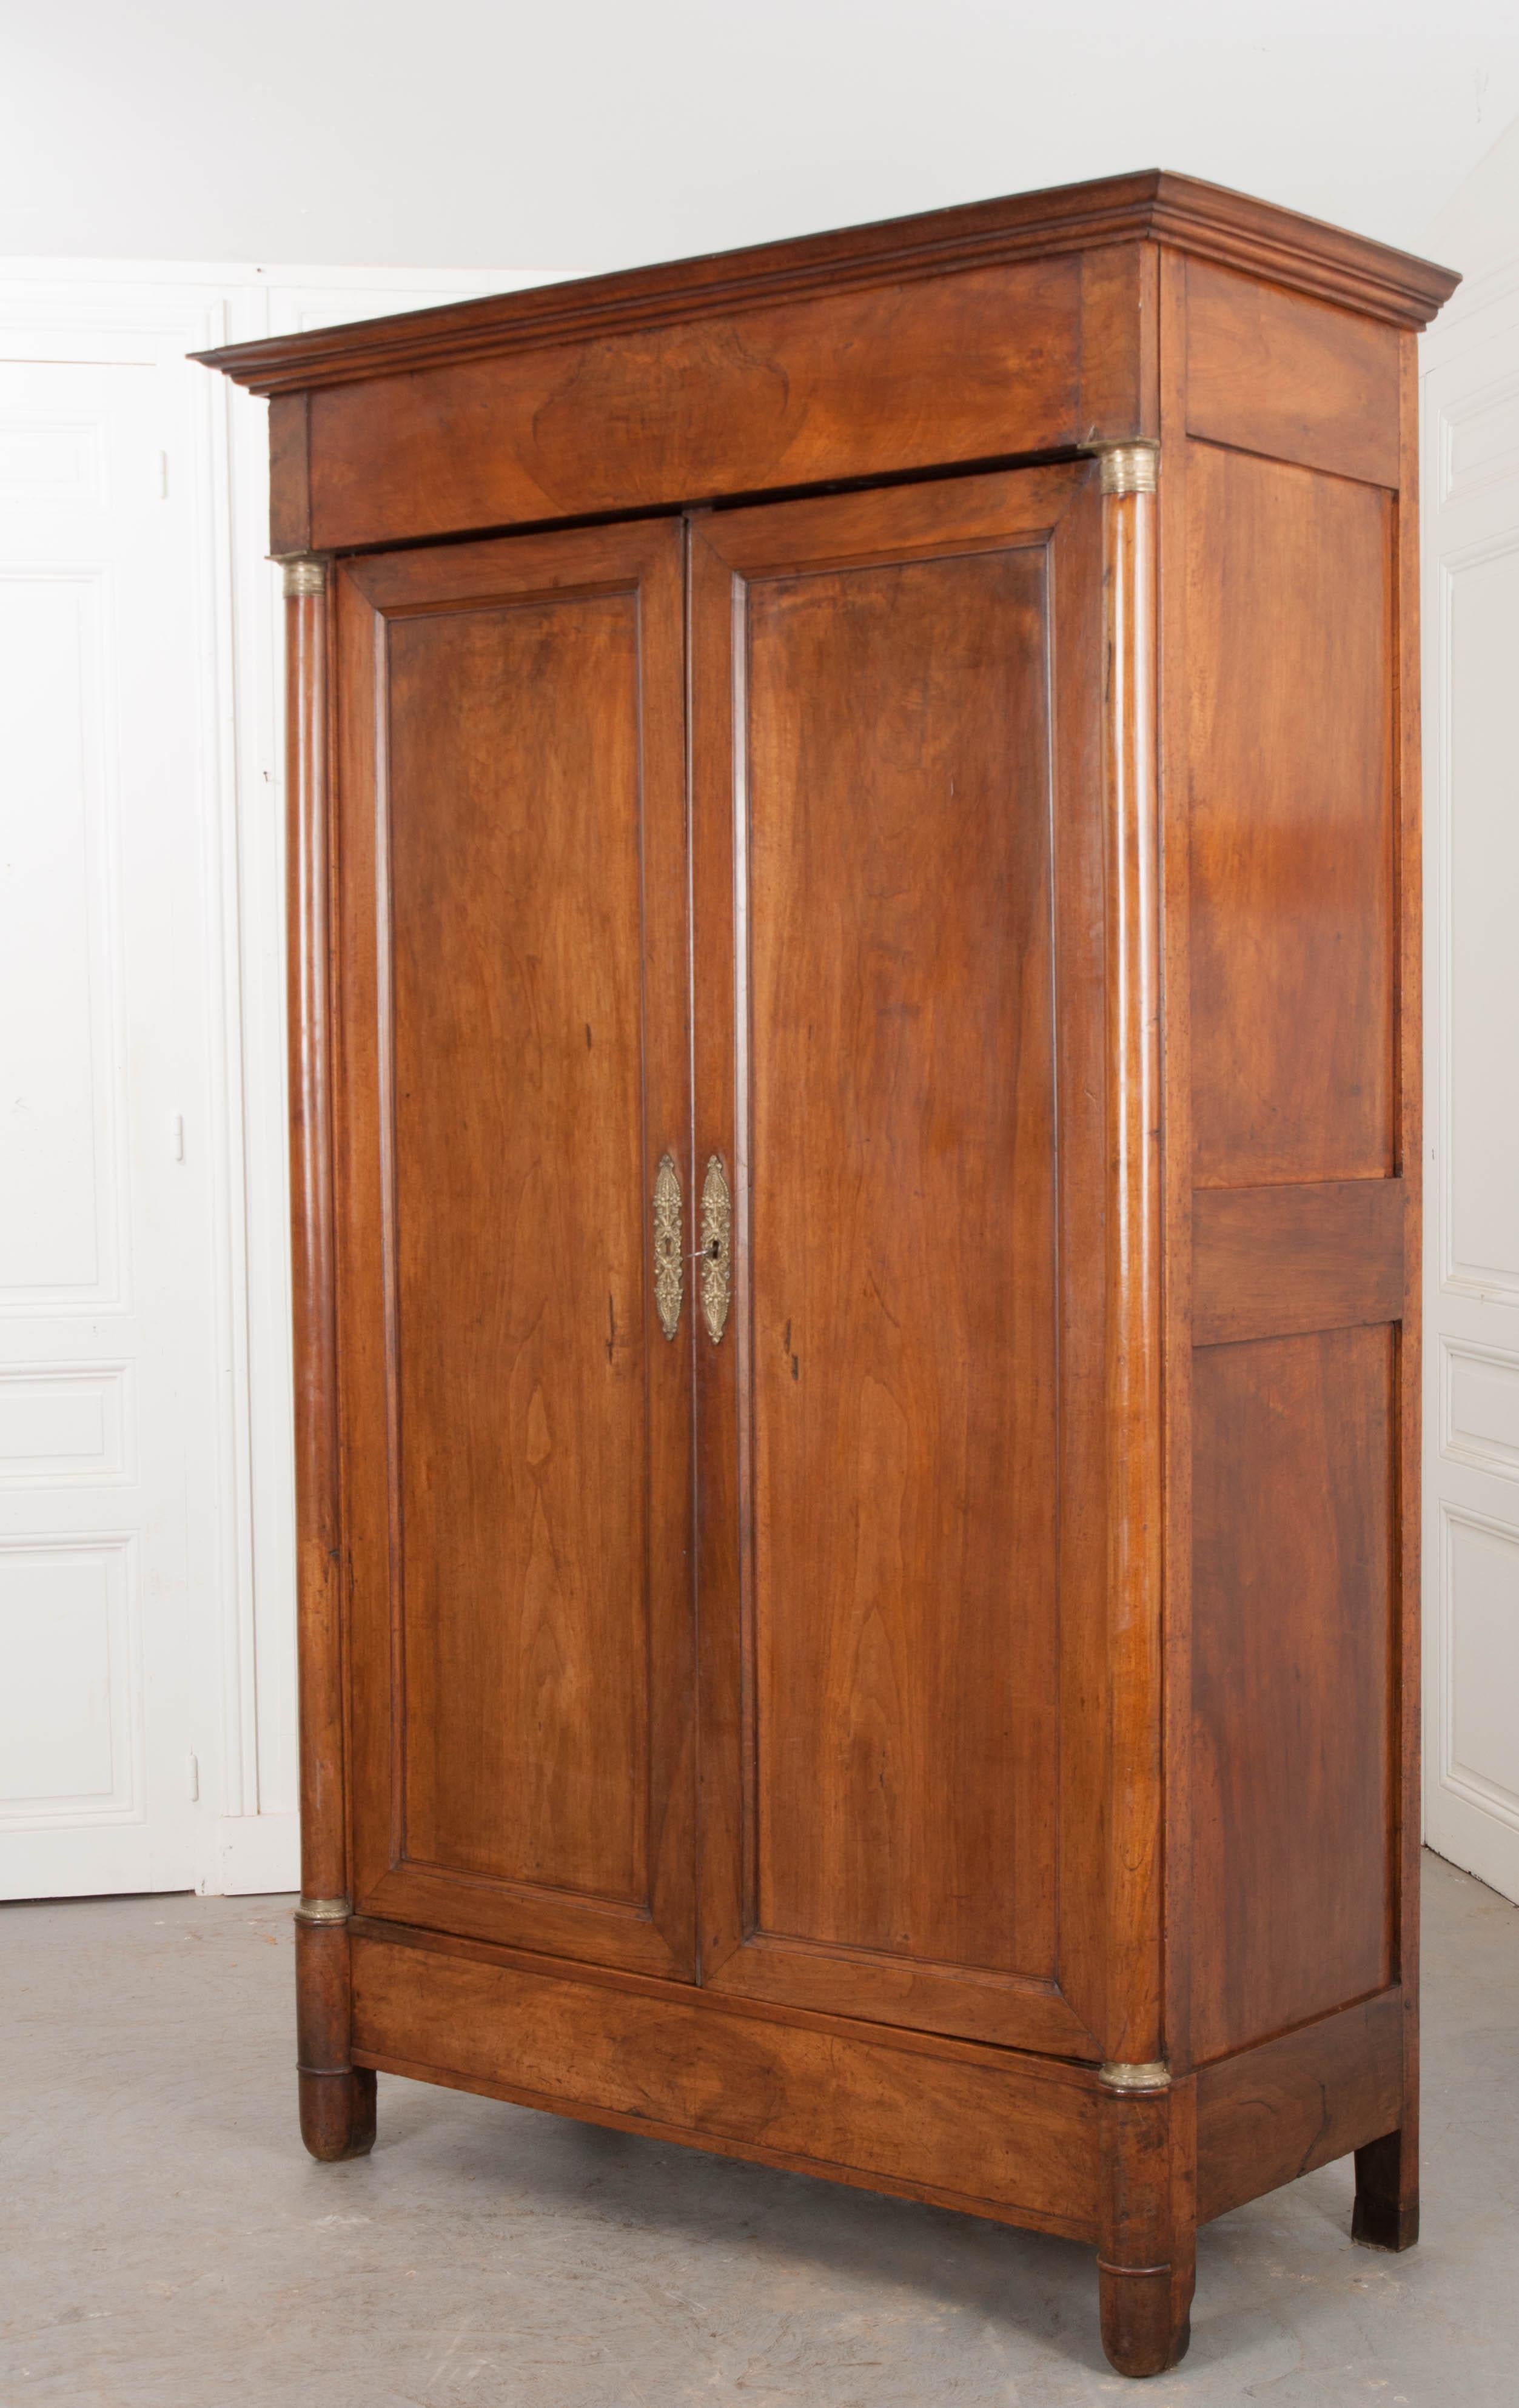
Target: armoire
853,958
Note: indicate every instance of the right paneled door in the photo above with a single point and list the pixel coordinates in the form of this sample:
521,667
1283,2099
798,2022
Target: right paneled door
898,885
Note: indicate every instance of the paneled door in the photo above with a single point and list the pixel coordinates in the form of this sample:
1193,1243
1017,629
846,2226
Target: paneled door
514,1201
110,1572
899,946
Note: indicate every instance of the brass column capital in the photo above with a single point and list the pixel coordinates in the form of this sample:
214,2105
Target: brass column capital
305,573
1128,467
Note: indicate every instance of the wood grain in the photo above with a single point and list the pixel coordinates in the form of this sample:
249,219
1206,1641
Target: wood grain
977,2129
1132,2028
311,969
902,1253
337,2097
891,1063
1043,965
1268,2115
1119,394
1293,1664
847,385
1272,372
290,475
1175,806
1389,2181
1291,869
1152,206
1146,2253
1271,1262
337,2101
515,855
518,1446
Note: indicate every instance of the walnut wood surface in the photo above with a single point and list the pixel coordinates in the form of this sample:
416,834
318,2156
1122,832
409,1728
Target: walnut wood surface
1152,205
1292,1605
901,1286
1027,1586
1269,1262
1393,2176
337,2101
1146,2252
1174,803
1291,379
845,385
969,2126
1292,823
1386,2211
517,1425
870,678
337,2097
311,971
811,360
290,474
1271,2113
1133,2024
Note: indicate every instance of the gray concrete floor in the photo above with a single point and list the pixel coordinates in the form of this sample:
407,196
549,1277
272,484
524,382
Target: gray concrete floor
170,2245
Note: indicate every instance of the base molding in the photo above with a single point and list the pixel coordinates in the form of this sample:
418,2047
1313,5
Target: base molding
966,2125
989,2131
1283,2109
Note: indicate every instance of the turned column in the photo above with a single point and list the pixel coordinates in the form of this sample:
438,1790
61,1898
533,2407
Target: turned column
336,2100
1146,2219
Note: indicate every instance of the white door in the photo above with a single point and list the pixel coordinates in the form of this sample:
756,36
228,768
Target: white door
1471,1150
109,1636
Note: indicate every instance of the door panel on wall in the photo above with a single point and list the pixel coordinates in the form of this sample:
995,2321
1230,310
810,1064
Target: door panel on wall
516,1422
898,918
1472,1032
110,1561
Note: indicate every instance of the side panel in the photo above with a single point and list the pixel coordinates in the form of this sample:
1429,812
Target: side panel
1292,1662
899,691
1274,373
516,1425
1294,907
1293,832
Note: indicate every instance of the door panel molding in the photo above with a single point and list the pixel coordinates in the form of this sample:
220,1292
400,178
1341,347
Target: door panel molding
541,1437
757,1832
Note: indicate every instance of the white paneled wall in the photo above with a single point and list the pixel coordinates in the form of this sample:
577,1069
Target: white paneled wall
147,1609
1471,1257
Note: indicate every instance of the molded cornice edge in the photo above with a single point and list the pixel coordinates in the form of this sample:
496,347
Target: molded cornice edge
1152,207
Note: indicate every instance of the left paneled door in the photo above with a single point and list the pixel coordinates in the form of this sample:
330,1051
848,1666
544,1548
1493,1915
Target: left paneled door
109,1637
513,1070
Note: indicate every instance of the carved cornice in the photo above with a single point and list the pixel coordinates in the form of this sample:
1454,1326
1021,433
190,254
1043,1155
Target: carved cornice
1153,207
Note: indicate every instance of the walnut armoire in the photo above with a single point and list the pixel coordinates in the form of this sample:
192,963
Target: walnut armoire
853,970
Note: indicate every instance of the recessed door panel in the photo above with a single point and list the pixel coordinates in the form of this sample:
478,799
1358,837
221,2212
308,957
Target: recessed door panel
516,1419
890,1581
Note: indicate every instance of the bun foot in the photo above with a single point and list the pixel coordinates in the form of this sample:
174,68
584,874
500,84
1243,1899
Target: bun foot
337,2113
1145,2327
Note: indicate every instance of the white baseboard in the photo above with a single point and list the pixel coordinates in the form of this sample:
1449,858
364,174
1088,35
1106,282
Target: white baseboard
259,1853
